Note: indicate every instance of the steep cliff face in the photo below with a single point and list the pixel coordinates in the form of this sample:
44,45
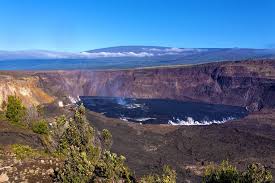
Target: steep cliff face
250,84
24,87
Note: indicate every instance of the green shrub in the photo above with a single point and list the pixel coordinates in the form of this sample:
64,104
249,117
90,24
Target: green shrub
77,144
107,138
168,176
2,116
226,173
150,179
77,168
111,168
15,109
60,121
256,173
85,161
40,127
24,151
222,173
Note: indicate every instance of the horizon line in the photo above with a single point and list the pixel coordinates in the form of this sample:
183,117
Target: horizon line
56,50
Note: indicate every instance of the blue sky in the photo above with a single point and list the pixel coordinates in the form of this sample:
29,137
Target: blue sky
77,25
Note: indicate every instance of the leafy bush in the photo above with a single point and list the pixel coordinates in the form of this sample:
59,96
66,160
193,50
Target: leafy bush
60,121
77,168
107,138
2,116
15,109
150,179
85,162
226,173
78,133
256,173
76,143
40,127
223,173
168,176
111,168
24,151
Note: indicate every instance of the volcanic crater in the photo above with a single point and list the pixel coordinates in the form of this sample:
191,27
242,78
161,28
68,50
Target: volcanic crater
249,84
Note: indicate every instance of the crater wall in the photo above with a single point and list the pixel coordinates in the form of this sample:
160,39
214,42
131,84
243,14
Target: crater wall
249,84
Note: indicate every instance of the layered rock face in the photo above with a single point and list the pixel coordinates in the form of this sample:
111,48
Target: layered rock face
24,87
249,84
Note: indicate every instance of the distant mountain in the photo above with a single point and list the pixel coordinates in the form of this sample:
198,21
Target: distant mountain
124,57
146,53
143,51
188,54
128,49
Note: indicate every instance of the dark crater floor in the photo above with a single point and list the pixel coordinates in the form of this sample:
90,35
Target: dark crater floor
163,111
188,149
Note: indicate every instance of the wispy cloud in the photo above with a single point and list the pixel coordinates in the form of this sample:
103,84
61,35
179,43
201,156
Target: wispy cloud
116,54
144,52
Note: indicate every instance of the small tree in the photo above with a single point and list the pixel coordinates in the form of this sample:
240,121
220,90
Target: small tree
168,176
224,173
77,167
256,173
107,138
77,144
15,109
40,127
111,168
85,161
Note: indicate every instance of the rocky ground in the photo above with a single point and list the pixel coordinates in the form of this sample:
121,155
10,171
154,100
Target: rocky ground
32,168
27,170
188,149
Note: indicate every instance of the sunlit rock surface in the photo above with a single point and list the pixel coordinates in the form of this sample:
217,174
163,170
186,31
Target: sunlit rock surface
248,84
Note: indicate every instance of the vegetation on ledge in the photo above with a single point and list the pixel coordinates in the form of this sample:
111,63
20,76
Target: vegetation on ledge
86,157
16,111
226,173
168,176
25,151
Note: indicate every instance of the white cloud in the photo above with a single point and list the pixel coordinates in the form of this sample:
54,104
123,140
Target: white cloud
42,54
164,50
116,54
174,50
